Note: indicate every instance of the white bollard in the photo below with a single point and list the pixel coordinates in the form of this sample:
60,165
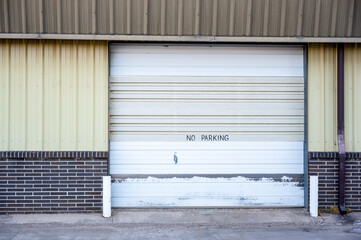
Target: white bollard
314,196
107,208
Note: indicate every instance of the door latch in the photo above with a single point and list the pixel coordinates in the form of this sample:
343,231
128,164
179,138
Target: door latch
175,158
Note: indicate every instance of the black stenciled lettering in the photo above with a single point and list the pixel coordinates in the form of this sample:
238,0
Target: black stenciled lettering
191,137
215,138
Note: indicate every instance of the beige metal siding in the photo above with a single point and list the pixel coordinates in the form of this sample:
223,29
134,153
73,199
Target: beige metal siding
322,118
255,18
54,95
353,97
322,96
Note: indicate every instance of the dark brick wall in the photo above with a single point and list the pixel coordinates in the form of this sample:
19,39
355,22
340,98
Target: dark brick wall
325,166
51,182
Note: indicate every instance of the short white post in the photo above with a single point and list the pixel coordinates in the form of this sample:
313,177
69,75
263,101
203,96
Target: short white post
107,208
314,196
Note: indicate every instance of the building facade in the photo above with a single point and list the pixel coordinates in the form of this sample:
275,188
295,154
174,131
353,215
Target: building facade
184,103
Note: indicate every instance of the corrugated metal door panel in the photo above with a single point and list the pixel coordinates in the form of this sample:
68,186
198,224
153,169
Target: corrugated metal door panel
231,61
191,117
206,158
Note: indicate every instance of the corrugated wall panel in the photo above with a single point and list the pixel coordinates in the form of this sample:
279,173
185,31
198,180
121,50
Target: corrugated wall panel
322,97
50,16
355,20
205,19
18,92
189,21
67,121
13,9
101,97
256,18
308,19
258,12
67,16
342,17
240,20
120,16
3,17
292,17
33,14
353,97
54,95
137,17
153,17
220,23
34,100
322,132
171,16
5,94
323,18
274,26
83,12
106,11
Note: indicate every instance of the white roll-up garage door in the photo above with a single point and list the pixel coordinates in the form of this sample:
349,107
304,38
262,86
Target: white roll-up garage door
206,126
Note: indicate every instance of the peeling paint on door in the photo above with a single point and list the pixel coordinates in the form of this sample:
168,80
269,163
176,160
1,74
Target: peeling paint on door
207,191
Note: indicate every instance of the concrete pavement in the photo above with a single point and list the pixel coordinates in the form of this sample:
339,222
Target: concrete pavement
183,224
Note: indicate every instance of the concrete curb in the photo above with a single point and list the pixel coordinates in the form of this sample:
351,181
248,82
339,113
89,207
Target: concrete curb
291,217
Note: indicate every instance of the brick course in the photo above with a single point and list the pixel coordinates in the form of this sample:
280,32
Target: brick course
325,166
51,182
63,182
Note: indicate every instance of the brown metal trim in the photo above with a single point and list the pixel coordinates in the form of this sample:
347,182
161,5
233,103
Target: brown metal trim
180,38
53,154
341,128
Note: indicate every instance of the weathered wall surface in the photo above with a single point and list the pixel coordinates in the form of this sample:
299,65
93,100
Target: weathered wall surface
53,95
322,97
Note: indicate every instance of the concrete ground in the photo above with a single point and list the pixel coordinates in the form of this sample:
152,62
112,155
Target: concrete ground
183,224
